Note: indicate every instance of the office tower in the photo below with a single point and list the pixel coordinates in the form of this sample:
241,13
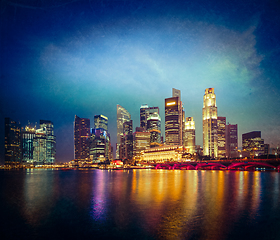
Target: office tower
154,127
47,127
28,135
122,116
231,141
209,118
100,146
128,139
253,143
40,147
189,135
101,122
13,153
81,137
221,124
174,119
141,141
145,112
177,93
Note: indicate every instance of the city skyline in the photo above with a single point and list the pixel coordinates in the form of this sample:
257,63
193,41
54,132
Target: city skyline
84,58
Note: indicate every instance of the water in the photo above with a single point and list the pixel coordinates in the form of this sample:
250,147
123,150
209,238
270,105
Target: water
139,204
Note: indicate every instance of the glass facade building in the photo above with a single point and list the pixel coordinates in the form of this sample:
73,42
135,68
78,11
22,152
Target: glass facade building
13,153
172,125
81,137
28,136
154,127
232,140
209,119
189,135
122,116
221,124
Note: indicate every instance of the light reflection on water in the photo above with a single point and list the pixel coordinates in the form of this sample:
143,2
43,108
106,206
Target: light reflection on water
141,204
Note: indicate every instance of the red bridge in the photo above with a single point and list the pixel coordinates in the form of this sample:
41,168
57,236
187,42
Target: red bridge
221,165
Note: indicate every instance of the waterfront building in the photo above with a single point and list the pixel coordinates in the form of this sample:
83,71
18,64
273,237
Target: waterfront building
253,143
122,116
189,135
81,137
231,141
154,127
48,129
40,147
141,141
13,154
209,118
221,131
28,135
99,146
166,153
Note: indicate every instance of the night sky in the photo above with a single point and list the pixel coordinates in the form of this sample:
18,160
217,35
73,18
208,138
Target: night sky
65,57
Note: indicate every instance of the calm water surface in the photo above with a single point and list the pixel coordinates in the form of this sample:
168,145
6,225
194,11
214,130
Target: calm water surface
139,204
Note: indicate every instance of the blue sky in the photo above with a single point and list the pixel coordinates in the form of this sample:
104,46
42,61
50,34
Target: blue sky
61,58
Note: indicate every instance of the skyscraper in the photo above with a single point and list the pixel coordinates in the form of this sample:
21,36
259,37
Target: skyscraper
81,137
221,124
13,153
122,116
209,118
101,122
189,135
141,141
174,119
128,140
145,112
232,141
28,136
47,127
154,127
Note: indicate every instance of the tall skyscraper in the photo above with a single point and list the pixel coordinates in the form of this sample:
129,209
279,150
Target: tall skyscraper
141,141
209,118
128,139
145,112
174,119
189,135
221,124
13,154
48,130
81,137
101,122
28,136
231,141
154,127
253,143
122,116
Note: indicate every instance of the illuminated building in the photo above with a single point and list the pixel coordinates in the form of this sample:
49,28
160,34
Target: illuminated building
128,140
81,137
28,135
100,144
253,143
145,112
154,127
174,119
166,153
40,147
221,124
189,135
231,141
13,153
122,116
47,127
209,118
141,141
101,122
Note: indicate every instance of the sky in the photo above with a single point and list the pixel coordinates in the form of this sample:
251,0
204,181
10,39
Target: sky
61,58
